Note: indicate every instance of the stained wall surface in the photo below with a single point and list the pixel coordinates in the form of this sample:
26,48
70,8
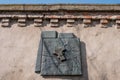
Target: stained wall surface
100,52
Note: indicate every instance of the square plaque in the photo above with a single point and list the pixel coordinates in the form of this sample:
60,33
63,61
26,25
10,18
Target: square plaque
60,56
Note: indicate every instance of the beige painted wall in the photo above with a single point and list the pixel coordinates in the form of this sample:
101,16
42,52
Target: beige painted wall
19,45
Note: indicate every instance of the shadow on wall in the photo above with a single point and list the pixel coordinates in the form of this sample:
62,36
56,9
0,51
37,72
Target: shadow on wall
84,76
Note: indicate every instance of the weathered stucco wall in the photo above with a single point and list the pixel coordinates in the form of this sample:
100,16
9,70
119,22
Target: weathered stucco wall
100,50
19,47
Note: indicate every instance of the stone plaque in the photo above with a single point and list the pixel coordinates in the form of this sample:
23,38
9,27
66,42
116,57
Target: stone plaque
58,54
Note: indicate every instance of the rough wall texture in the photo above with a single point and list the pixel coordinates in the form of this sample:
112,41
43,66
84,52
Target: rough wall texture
100,46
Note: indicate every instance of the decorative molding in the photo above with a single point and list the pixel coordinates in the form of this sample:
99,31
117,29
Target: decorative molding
86,22
117,24
70,22
38,22
5,22
71,14
104,23
22,22
117,21
64,16
54,22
